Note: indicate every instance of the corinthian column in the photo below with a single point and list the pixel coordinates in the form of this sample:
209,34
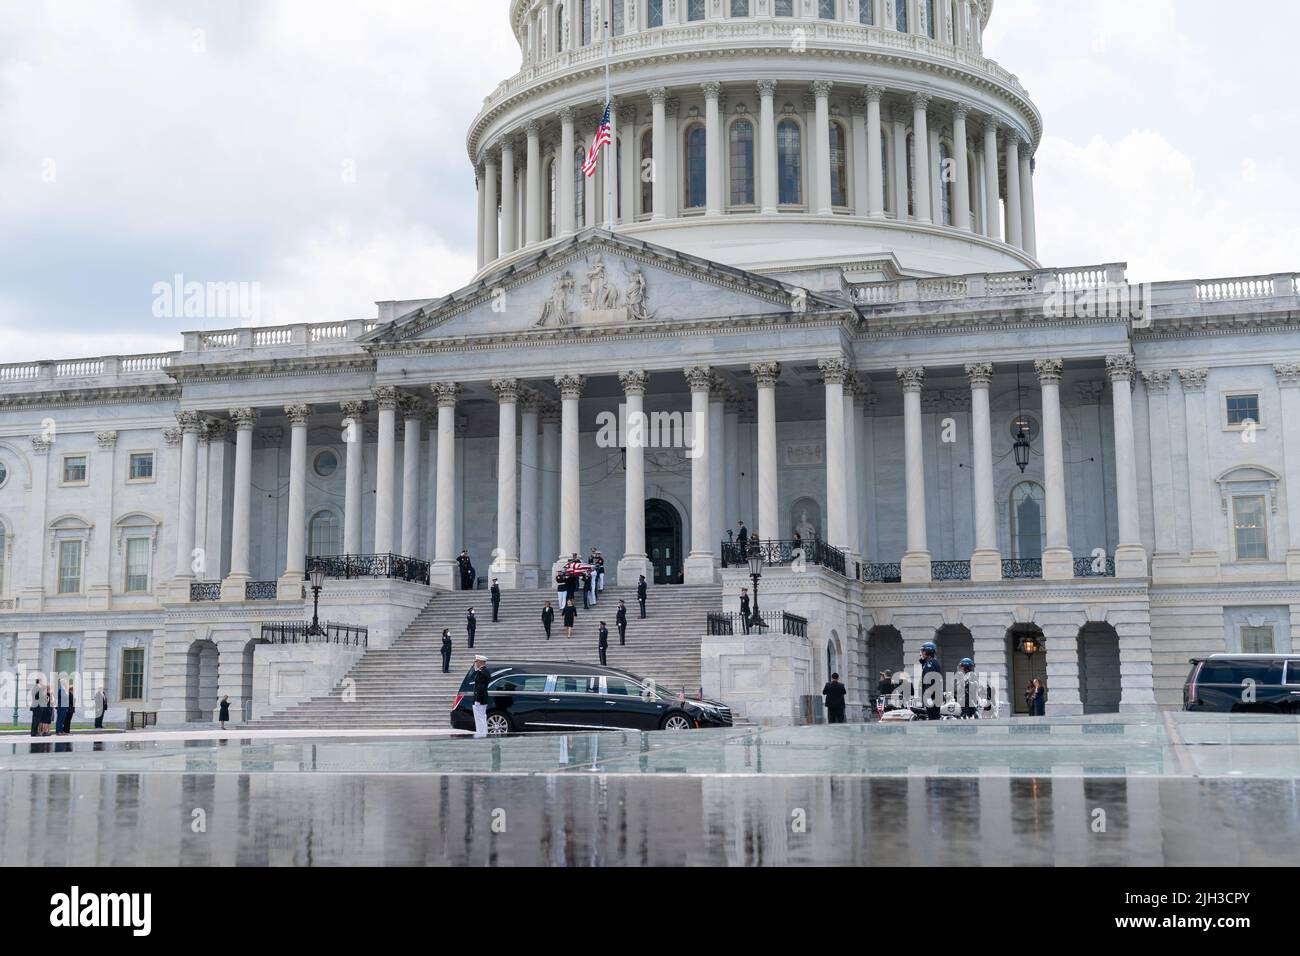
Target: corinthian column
533,218
509,211
567,218
529,408
961,182
354,438
232,588
1015,225
1205,552
295,560
443,573
713,149
986,561
916,560
834,371
490,224
991,207
699,564
1058,560
571,387
659,149
1288,383
769,517
1130,555
921,157
821,95
412,414
1156,382
385,467
634,561
875,151
190,424
767,146
505,561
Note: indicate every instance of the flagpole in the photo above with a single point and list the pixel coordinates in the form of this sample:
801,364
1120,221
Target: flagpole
611,151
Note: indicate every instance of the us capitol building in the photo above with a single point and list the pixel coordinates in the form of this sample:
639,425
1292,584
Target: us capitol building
821,290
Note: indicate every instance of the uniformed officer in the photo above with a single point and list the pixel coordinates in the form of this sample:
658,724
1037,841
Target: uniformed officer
603,641
480,695
931,680
744,609
640,594
496,599
446,649
620,618
471,625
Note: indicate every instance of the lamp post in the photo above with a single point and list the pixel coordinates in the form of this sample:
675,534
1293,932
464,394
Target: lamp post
17,689
755,557
317,575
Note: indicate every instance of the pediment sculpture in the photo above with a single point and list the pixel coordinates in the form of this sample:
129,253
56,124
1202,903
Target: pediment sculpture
556,309
602,301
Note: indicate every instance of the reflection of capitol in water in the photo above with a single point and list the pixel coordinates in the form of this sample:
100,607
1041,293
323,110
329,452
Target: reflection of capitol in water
298,819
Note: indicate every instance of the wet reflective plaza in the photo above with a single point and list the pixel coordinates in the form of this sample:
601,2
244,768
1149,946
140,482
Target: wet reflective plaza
1178,789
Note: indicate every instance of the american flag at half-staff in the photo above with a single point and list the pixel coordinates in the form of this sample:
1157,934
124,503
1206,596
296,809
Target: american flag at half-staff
600,142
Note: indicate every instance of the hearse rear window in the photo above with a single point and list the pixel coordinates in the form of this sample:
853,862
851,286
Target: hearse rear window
1234,672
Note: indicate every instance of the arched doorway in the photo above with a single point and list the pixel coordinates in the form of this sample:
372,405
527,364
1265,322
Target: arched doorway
201,682
885,648
663,541
1028,660
955,642
1099,683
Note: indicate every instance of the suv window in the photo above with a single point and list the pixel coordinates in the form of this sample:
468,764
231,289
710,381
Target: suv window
1234,672
567,684
1293,672
521,683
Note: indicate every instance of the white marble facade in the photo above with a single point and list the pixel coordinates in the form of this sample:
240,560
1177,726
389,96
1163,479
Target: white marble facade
839,366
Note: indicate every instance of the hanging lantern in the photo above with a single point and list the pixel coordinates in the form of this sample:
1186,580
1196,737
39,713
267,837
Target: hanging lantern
1021,447
1029,644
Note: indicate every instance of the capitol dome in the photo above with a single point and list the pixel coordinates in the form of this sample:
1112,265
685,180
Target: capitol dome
800,138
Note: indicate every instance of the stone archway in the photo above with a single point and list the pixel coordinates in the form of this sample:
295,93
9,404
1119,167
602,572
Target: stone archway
201,682
884,652
1025,666
663,541
955,642
1099,669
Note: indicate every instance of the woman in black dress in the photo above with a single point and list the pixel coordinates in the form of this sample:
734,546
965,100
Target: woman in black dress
224,716
570,615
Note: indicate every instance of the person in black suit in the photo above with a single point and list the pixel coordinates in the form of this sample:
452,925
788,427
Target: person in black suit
742,538
72,709
61,709
496,600
744,609
640,594
36,709
620,618
834,693
471,625
446,650
466,571
570,615
603,641
585,581
570,587
548,615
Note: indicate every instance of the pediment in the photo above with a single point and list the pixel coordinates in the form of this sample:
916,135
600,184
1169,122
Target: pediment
601,280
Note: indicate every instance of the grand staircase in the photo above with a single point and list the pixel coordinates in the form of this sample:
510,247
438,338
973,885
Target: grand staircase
404,687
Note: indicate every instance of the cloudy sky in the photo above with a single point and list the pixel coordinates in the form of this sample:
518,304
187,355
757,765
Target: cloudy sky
316,148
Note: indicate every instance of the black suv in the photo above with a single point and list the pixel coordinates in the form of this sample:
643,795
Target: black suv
1244,684
551,695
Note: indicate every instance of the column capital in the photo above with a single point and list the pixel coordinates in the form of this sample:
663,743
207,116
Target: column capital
297,414
1121,367
990,125
244,418
385,397
567,114
507,390
822,88
412,406
533,129
1156,379
672,106
980,373
912,378
1049,370
107,439
873,94
189,421
1288,374
658,94
1193,379
550,413
41,444
699,378
835,370
214,429
505,144
446,393
570,386
765,373
172,436
530,403
355,410
634,381
712,89
766,88
960,110
920,100
857,105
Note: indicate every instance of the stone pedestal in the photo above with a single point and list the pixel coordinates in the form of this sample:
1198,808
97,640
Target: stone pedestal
986,565
916,567
290,587
1293,565
700,569
232,588
1058,564
1130,561
444,575
629,569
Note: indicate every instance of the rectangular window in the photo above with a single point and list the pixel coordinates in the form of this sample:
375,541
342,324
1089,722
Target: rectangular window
1242,408
140,467
1257,640
586,21
70,567
740,8
900,15
655,13
867,12
65,665
1249,517
618,18
695,10
132,674
137,564
74,470
826,9
785,8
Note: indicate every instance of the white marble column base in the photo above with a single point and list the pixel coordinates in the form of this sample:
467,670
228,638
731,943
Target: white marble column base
1293,565
1130,561
232,588
290,587
178,590
700,569
1058,564
631,567
509,574
530,577
444,575
916,567
986,565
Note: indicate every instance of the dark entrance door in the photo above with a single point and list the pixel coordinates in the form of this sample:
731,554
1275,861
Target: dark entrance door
663,541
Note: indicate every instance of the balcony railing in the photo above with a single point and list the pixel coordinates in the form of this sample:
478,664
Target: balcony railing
883,572
950,570
782,553
260,591
1016,569
1088,568
205,591
780,622
297,632
393,566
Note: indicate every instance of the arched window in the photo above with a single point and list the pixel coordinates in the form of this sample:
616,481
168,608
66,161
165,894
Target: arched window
550,200
1028,530
696,170
927,11
323,534
789,161
654,13
945,174
826,9
839,166
911,175
900,15
867,12
579,189
618,18
741,144
647,180
561,28
886,181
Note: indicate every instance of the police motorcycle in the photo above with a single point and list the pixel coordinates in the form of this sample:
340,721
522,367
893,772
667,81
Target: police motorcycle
899,706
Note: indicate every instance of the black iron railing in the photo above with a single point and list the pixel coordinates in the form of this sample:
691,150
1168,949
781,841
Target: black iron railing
205,591
950,570
781,553
260,591
883,573
1014,569
781,622
393,566
299,632
1088,568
